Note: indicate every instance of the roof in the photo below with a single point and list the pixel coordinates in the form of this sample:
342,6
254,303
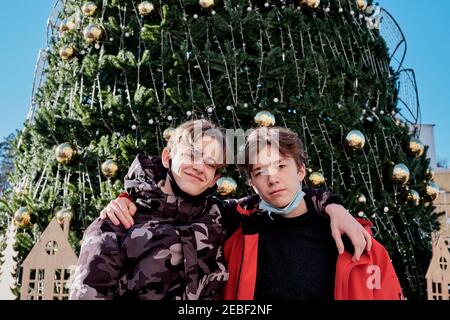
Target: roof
52,248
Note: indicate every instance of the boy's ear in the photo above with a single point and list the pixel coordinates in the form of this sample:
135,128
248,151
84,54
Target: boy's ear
302,172
165,157
249,182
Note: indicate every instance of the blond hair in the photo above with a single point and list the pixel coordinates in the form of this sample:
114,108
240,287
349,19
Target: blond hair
190,131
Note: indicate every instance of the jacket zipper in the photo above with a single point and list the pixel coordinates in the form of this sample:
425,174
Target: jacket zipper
242,262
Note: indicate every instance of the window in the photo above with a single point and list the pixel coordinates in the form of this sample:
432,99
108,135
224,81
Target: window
443,263
36,284
61,284
51,248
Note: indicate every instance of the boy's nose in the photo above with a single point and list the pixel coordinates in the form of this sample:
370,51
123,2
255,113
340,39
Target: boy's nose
198,166
272,179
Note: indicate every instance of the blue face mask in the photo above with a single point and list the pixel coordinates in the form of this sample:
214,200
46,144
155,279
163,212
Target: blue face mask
289,208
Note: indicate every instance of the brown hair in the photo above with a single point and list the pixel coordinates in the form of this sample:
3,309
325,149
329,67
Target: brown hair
190,131
288,142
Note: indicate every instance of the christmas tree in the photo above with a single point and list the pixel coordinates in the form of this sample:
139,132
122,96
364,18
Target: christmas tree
118,76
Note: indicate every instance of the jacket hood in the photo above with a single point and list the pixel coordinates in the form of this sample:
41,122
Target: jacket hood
143,177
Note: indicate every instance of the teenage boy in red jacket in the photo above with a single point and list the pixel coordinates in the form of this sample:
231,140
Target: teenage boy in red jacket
283,248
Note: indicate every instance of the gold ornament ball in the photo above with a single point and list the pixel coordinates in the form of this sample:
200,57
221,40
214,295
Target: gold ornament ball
168,133
63,27
93,33
145,8
430,174
65,153
205,4
413,197
110,168
89,9
265,119
400,174
416,147
67,24
67,53
362,199
311,3
226,186
316,179
22,218
355,140
62,214
362,4
432,190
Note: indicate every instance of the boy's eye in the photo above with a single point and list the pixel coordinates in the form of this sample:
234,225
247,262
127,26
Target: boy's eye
281,166
256,173
261,172
210,163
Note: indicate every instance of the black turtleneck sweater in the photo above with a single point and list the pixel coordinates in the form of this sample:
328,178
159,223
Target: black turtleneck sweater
296,258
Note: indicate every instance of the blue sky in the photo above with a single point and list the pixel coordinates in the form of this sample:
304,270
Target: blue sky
23,33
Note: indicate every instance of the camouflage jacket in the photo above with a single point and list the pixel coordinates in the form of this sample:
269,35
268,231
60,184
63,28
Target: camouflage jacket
174,250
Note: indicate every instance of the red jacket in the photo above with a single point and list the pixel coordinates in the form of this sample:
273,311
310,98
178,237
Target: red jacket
371,278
